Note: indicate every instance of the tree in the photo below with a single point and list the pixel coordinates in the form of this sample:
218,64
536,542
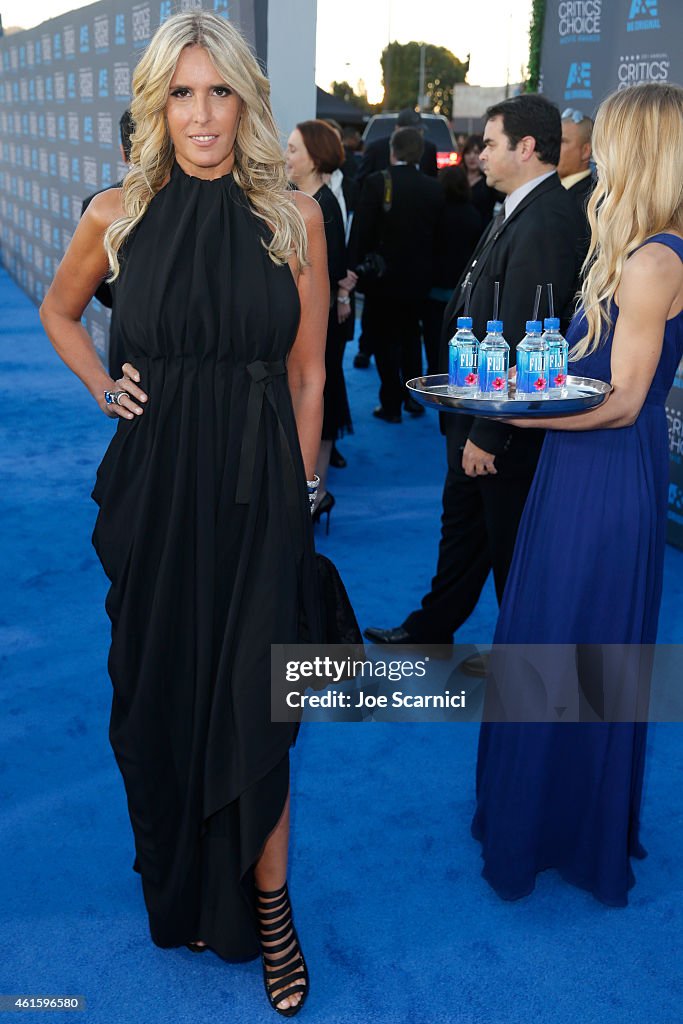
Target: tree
535,42
346,92
401,72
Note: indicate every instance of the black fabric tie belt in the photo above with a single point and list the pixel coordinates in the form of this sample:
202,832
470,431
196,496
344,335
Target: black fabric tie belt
262,373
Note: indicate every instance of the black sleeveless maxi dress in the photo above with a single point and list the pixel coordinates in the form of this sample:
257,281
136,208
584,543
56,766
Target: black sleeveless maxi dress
204,532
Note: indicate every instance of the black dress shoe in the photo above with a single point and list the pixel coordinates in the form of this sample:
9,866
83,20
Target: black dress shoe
413,407
381,414
361,361
398,635
337,460
477,666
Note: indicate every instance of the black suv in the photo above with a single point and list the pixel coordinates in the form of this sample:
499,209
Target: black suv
436,129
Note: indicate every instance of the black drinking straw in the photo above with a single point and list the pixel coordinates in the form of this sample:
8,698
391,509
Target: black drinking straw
468,291
551,305
539,289
496,293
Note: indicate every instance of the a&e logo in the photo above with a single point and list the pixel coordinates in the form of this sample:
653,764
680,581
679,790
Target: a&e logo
579,81
643,15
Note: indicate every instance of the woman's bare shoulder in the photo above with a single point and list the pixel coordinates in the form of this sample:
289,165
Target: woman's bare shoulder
105,207
308,208
654,265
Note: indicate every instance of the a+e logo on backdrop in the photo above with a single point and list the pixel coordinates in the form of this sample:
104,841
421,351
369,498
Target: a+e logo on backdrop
579,81
643,15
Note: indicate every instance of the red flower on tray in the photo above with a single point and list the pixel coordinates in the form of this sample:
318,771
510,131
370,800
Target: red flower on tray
540,384
498,383
560,380
470,379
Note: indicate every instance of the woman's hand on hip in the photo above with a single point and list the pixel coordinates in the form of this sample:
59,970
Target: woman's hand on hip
127,395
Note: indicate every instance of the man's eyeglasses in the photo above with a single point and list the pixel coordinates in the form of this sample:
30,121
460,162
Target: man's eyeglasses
576,116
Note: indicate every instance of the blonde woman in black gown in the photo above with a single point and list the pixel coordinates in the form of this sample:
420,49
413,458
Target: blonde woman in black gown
204,521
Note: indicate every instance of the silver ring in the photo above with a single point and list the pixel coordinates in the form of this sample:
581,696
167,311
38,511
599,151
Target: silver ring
114,397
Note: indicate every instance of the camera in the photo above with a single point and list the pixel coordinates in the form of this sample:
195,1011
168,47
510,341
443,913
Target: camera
371,269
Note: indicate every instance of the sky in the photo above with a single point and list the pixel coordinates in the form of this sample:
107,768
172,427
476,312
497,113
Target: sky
349,45
351,34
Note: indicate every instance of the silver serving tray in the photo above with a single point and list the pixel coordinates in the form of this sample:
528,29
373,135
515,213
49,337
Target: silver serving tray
582,393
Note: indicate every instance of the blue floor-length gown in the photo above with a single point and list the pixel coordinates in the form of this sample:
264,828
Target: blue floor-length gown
568,796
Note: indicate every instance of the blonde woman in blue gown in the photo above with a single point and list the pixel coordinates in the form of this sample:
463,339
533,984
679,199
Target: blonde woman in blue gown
588,561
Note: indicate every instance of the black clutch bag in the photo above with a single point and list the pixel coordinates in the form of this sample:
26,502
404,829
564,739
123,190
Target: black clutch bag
339,622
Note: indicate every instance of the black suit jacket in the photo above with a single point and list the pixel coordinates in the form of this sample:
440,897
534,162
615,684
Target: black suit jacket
406,234
539,242
377,158
459,232
581,193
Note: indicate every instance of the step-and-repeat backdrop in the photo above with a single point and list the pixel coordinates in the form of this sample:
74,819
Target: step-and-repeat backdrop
591,48
63,88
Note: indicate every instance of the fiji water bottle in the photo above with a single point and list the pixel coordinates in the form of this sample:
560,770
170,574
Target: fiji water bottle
463,359
494,360
532,363
557,358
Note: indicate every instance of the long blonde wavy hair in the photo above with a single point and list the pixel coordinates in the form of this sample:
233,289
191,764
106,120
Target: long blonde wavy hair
637,147
259,167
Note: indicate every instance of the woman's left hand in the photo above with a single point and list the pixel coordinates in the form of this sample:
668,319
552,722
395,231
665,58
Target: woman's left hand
128,390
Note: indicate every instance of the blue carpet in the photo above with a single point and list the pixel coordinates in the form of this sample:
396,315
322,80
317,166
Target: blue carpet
396,922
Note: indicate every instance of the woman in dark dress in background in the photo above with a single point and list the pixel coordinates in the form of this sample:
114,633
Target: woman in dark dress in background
343,185
313,150
456,239
589,557
204,526
483,197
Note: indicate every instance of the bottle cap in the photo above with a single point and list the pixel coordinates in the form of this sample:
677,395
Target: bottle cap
464,321
552,323
494,326
533,327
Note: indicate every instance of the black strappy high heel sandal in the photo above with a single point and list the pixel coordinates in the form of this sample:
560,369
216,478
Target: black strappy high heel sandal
284,967
194,947
325,505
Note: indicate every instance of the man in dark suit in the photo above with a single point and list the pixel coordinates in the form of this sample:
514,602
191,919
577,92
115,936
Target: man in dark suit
376,155
351,141
574,167
533,240
398,216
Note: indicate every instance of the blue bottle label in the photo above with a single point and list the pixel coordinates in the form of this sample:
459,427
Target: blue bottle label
493,373
532,376
557,367
462,367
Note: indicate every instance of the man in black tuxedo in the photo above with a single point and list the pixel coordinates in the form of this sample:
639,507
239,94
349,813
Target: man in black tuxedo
351,141
533,240
398,215
574,167
376,155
